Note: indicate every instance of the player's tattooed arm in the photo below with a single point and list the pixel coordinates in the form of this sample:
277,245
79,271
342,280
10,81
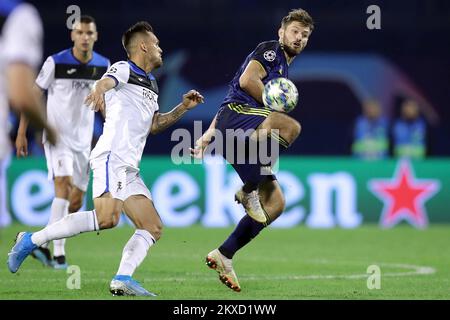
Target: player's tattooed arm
251,80
96,100
162,121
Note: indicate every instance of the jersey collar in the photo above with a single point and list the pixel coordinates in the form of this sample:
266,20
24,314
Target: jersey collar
140,71
82,63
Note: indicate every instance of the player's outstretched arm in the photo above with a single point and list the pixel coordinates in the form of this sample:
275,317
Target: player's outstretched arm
96,99
25,99
201,144
251,80
162,121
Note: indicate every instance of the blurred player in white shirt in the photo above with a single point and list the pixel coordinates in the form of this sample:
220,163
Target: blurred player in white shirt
68,77
21,35
128,94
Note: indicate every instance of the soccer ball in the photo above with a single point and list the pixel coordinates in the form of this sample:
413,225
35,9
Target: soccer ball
280,94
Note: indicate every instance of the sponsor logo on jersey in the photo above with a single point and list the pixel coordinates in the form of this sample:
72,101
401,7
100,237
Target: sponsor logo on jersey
80,85
148,96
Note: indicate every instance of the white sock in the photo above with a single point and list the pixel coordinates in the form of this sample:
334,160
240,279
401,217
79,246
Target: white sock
59,209
69,226
135,251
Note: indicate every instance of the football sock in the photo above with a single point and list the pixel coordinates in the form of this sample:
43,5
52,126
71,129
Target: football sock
59,209
244,232
249,187
135,251
69,226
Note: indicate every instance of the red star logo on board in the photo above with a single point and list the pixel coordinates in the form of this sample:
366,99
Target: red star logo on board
404,196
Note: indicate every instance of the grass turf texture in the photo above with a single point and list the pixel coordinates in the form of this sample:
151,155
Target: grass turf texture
296,263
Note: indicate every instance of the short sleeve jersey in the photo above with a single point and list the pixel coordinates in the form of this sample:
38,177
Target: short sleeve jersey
68,82
130,108
271,57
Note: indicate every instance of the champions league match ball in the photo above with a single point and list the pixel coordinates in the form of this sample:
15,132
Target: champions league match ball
280,94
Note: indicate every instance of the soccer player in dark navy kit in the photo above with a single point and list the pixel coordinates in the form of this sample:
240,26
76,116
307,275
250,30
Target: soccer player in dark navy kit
242,108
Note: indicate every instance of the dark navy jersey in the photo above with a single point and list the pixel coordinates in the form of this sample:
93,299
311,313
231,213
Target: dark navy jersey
271,56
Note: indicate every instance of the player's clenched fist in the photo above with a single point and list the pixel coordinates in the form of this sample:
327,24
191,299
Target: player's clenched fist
192,99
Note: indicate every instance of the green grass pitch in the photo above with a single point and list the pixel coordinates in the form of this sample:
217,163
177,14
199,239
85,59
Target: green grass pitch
298,263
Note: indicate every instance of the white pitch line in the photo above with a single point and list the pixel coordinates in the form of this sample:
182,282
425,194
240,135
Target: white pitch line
197,276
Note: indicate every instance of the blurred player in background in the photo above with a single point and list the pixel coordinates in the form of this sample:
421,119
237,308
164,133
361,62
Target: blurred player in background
67,76
128,94
371,133
21,36
242,108
409,132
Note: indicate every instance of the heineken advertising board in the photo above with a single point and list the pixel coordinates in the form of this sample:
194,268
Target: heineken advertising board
320,192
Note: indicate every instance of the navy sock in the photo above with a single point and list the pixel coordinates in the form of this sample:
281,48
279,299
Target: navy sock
249,187
244,232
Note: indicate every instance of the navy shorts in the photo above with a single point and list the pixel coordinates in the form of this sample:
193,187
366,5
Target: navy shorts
235,116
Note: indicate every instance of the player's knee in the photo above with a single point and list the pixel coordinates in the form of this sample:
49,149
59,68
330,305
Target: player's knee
75,205
107,223
108,219
297,128
155,230
294,130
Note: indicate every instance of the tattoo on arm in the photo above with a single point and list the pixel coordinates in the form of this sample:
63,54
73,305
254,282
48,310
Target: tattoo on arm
165,120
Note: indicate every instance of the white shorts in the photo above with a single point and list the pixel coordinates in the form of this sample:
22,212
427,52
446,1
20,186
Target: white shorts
112,175
63,161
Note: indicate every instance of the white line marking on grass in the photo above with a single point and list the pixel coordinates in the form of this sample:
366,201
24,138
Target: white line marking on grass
414,270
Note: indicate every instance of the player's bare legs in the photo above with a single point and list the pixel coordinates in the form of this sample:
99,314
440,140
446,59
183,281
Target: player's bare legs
75,199
148,224
272,198
143,213
277,127
108,210
106,215
288,128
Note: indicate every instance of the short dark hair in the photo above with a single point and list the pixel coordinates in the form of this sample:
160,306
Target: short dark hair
299,15
87,19
139,27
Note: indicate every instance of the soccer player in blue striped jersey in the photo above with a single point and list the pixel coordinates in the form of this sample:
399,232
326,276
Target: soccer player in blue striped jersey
261,195
128,95
67,76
